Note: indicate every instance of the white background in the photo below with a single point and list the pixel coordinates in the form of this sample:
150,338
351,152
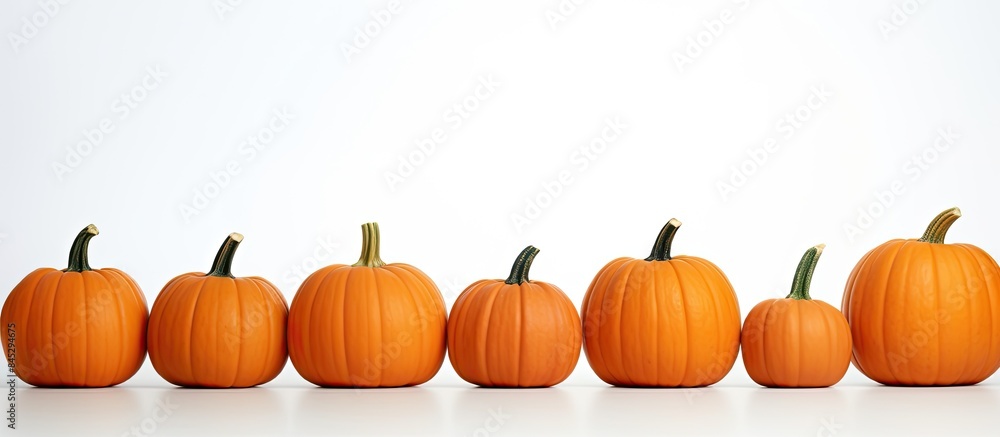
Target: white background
360,107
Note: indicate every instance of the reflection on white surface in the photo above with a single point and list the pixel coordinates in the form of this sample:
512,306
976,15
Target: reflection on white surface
673,411
78,411
797,411
868,410
389,411
249,411
492,411
930,411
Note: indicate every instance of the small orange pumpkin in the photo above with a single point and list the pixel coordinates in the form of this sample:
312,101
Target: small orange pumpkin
216,330
514,333
661,321
77,327
369,324
797,341
925,313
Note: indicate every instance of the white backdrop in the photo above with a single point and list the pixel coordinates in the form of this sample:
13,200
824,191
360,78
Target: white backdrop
471,130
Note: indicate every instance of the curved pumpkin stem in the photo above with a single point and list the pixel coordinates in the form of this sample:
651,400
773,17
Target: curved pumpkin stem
661,248
804,273
223,264
78,261
939,226
370,242
519,273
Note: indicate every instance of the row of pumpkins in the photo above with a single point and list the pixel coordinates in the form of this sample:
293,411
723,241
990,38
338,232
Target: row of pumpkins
914,312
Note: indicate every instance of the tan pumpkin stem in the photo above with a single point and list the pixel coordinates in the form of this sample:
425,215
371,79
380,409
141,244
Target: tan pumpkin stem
804,273
939,226
370,247
661,248
519,272
78,260
223,264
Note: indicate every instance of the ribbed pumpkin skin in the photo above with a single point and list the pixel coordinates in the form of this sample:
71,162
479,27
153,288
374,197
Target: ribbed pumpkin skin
670,323
77,329
925,314
513,335
796,343
367,327
218,332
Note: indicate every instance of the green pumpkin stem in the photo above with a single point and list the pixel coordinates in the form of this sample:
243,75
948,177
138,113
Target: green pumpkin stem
223,264
939,226
78,261
369,247
804,273
661,248
519,273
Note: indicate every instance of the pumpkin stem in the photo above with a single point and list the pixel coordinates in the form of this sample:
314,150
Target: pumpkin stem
519,273
223,264
369,247
78,261
939,226
804,273
661,248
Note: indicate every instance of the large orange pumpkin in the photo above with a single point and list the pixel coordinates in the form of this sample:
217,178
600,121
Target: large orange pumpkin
216,330
514,333
77,327
797,341
662,321
369,324
925,313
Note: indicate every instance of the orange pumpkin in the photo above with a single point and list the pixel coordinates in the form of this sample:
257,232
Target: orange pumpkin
369,324
514,333
216,330
661,321
797,341
77,327
925,313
